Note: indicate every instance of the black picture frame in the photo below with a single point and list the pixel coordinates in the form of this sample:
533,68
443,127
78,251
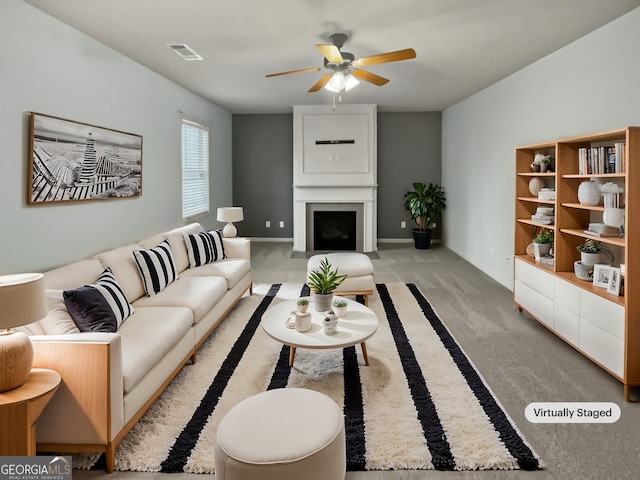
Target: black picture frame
72,161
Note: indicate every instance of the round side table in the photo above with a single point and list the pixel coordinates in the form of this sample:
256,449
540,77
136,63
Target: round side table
21,407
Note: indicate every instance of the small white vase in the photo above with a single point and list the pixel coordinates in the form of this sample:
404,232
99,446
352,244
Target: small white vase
330,323
588,193
303,322
341,312
614,217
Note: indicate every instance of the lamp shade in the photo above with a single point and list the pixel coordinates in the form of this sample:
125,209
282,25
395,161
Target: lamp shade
22,299
230,214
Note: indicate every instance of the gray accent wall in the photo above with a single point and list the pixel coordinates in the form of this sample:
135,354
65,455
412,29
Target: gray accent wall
409,150
263,173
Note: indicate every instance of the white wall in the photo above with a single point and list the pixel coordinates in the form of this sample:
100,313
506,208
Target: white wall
51,68
588,86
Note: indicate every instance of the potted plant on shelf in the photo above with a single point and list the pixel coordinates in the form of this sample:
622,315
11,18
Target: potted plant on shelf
323,282
425,204
592,253
542,243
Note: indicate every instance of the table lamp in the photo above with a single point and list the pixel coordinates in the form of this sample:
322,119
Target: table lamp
22,301
230,215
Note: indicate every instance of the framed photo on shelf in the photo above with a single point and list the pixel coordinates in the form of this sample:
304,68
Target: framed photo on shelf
73,161
601,275
613,286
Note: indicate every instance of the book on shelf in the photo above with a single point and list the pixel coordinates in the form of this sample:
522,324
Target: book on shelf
601,234
604,159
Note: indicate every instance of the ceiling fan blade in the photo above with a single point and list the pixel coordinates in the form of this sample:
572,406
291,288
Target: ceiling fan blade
369,77
320,83
330,52
314,69
406,54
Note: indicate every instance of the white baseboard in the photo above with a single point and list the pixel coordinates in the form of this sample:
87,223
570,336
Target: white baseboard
380,240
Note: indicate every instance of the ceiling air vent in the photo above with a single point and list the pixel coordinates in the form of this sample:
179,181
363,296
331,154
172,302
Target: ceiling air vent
184,51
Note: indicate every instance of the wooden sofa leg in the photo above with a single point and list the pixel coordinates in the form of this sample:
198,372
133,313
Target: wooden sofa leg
110,457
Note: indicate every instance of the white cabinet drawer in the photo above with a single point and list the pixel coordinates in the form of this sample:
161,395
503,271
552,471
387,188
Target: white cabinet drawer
534,302
567,324
535,278
602,313
567,296
602,347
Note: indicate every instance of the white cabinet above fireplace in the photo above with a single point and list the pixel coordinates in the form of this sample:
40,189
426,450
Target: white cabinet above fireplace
334,147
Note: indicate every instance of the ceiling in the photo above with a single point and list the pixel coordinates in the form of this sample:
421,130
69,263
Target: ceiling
462,46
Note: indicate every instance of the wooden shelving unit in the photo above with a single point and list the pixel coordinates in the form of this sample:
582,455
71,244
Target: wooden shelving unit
604,327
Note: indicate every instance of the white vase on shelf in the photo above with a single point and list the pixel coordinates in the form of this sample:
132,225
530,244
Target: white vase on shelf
588,193
614,217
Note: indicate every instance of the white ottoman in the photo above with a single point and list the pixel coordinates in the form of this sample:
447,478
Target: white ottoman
286,433
357,266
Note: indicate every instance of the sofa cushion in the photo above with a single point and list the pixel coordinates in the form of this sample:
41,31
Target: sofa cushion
199,294
121,262
112,291
90,310
100,307
204,247
58,320
147,337
178,246
73,275
231,269
156,266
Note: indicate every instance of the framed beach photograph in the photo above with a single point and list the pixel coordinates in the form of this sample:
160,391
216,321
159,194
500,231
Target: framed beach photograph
72,161
613,286
601,275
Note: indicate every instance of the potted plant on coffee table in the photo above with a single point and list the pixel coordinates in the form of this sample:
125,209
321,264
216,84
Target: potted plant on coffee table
323,282
425,204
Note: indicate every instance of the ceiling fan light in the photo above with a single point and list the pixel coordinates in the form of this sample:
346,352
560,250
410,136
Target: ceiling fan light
335,83
349,82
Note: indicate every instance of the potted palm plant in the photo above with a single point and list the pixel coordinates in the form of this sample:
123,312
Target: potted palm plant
323,282
425,204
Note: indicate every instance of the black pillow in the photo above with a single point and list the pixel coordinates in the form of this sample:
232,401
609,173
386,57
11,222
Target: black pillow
90,310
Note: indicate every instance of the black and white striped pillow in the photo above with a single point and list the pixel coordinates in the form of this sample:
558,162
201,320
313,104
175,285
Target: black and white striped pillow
99,307
204,247
157,267
111,290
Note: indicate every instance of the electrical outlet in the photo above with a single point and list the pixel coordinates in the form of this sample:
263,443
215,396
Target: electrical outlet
267,224
403,224
281,223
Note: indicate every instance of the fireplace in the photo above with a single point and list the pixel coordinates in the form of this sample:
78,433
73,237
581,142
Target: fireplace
334,227
334,230
334,178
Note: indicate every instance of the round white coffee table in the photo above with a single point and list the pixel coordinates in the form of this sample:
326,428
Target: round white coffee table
357,326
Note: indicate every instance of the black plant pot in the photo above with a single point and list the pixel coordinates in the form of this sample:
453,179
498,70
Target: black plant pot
422,239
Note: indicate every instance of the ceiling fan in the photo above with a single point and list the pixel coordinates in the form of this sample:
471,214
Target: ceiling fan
345,70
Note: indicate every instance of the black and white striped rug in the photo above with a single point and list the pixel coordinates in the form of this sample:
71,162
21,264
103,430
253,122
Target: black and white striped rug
421,404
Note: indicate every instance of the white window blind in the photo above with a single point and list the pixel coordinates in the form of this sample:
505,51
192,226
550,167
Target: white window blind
195,169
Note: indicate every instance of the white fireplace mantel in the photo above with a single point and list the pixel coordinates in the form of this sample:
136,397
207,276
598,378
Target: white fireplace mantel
335,164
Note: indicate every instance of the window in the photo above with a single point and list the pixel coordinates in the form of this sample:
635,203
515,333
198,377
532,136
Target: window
195,169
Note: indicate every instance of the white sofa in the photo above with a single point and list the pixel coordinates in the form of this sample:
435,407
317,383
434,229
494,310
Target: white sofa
110,379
